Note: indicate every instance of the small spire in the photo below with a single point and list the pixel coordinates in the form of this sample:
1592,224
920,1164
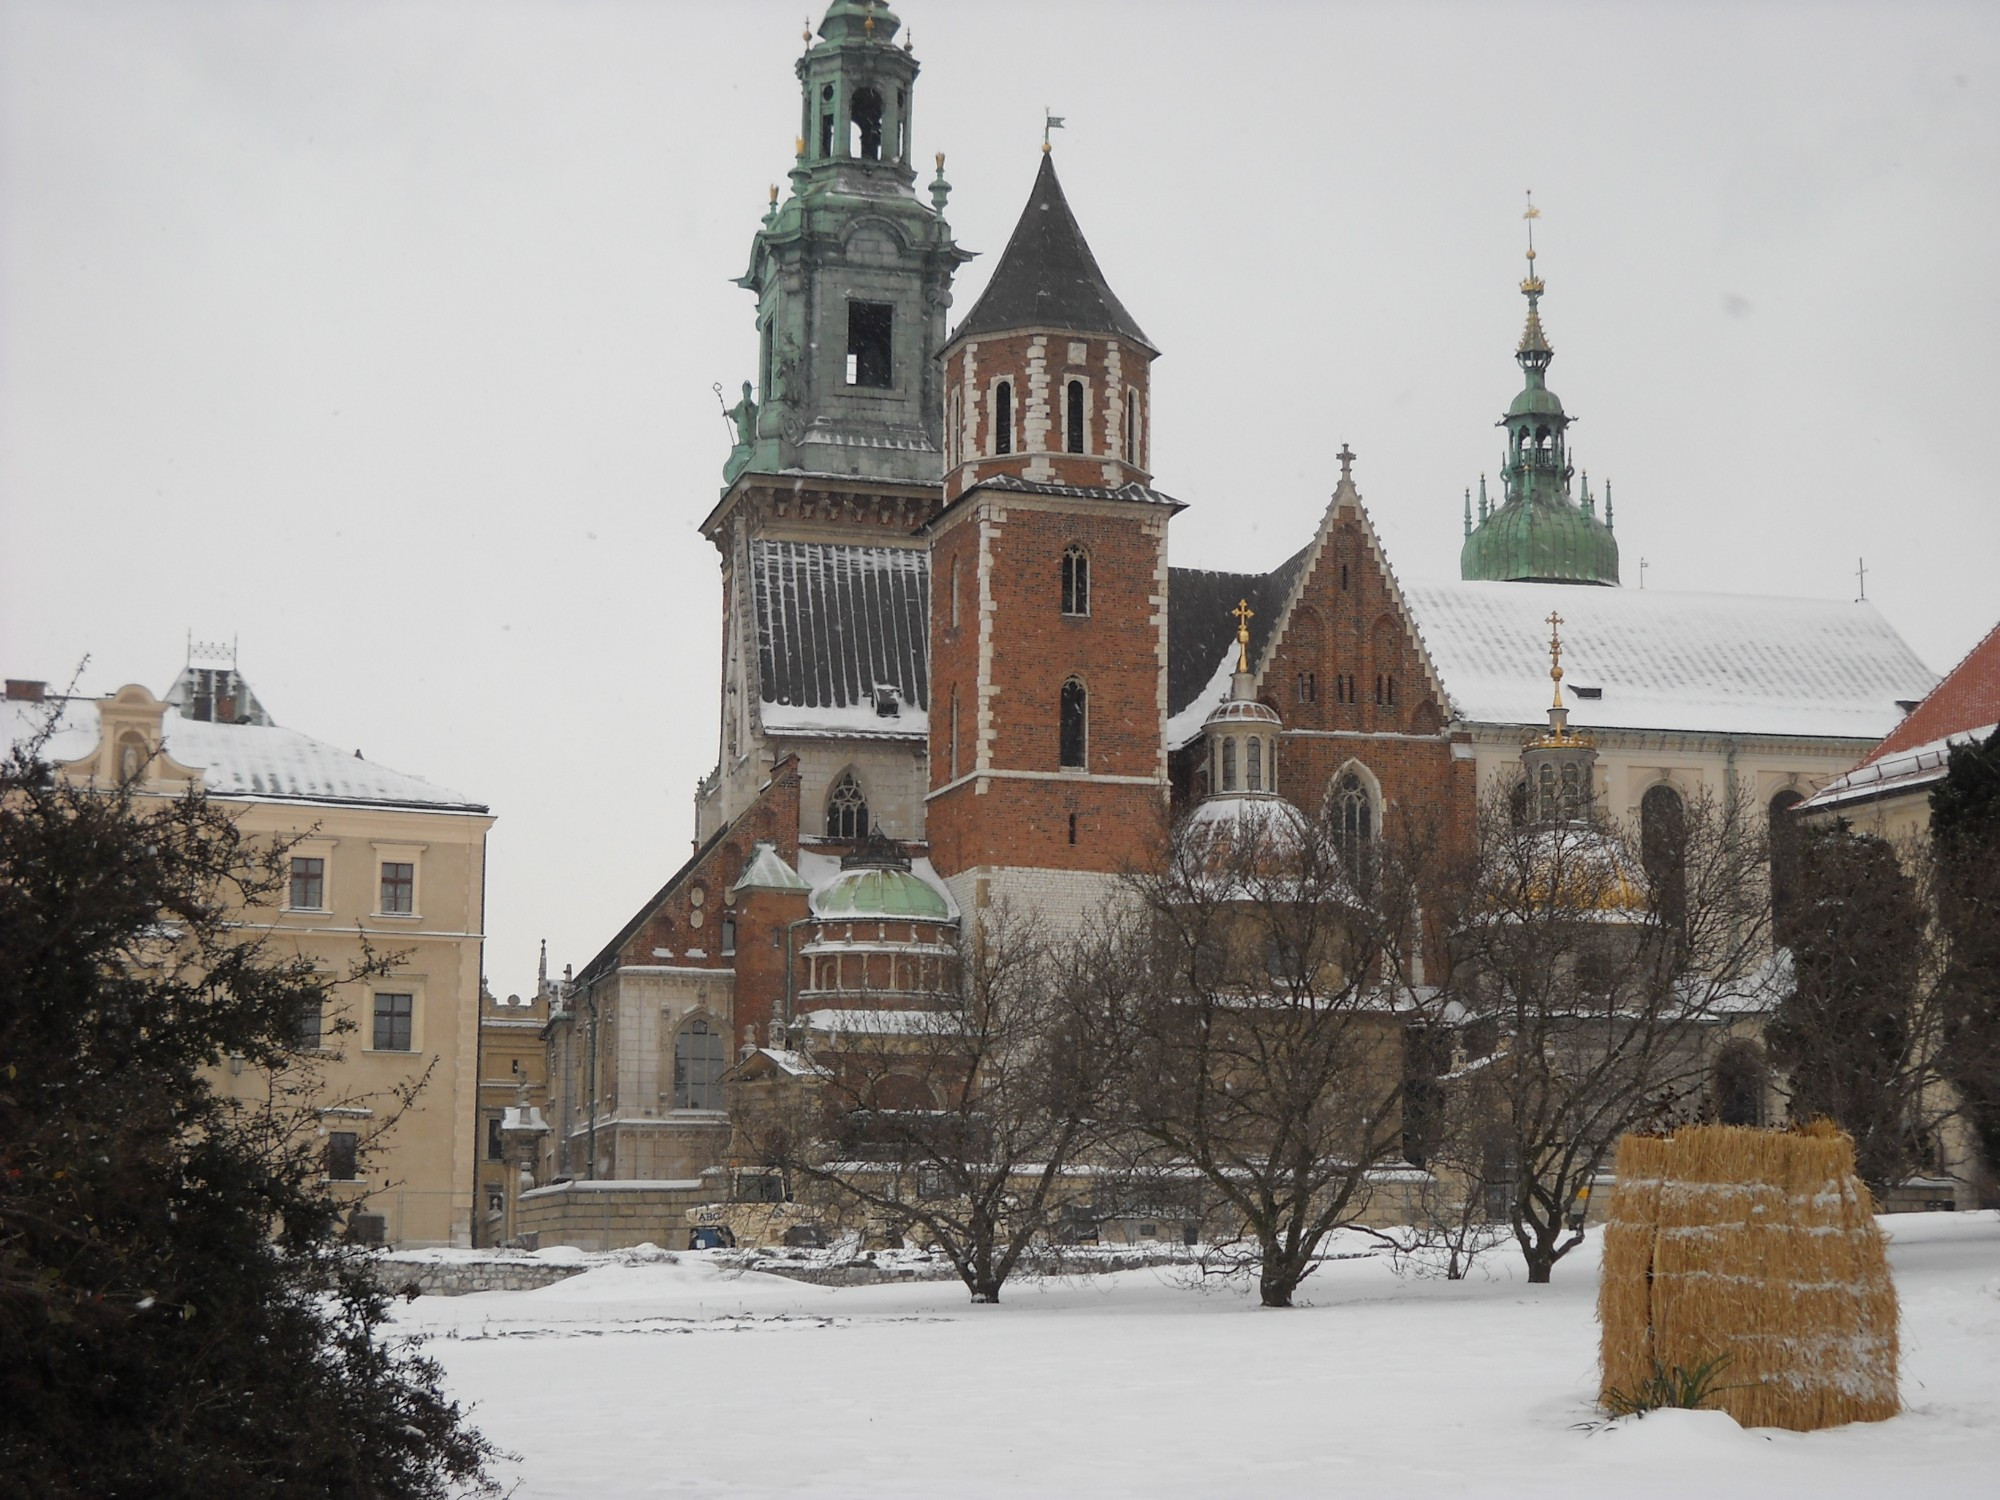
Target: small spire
1468,510
1050,122
1607,507
1556,655
1244,614
1483,510
940,189
542,969
1589,505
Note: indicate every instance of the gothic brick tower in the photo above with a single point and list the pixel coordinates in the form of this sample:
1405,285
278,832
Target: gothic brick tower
1048,767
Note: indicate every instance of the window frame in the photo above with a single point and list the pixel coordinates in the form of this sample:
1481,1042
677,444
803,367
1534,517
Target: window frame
319,875
683,1085
1076,582
851,368
1082,736
860,822
376,1017
351,1151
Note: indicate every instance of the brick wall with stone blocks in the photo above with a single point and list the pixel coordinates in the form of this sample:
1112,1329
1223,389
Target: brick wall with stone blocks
1039,365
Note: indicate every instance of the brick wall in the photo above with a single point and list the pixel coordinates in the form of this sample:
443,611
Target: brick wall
1039,367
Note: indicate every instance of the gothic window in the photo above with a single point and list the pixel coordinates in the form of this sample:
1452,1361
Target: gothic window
868,329
1073,415
1784,831
1075,725
1353,824
1254,771
1131,427
698,1064
1229,765
1547,778
846,809
1003,417
866,114
1075,581
1308,688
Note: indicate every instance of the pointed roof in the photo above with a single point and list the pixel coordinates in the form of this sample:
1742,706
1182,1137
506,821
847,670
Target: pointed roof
1047,277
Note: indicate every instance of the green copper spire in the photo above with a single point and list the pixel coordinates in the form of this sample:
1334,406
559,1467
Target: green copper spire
1538,533
852,273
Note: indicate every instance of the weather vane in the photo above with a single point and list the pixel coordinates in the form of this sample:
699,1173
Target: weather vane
1049,122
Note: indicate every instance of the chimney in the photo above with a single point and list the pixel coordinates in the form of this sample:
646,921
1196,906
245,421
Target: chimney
22,690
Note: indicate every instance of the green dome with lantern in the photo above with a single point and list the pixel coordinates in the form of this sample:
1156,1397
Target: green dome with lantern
1539,532
876,881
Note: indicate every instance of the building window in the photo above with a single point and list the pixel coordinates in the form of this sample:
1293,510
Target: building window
868,327
1075,581
394,1015
494,1150
1738,1087
1074,726
846,809
728,935
1131,427
1229,765
1254,772
312,1025
399,887
1308,688
1354,825
308,884
1074,417
825,121
1662,841
954,593
1072,828
865,111
1003,417
1574,798
1784,834
698,1064
343,1155
955,438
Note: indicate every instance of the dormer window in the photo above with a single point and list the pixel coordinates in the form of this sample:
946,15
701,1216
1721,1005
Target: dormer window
888,700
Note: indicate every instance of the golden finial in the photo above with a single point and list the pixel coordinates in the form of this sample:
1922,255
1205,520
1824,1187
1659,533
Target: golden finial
1556,656
869,25
1533,284
774,195
798,146
1244,615
940,161
806,36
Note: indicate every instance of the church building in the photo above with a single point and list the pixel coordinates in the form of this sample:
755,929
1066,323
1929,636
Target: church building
958,666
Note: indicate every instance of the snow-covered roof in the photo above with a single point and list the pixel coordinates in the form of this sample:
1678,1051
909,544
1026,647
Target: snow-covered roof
842,639
1720,663
767,872
821,870
248,760
1907,771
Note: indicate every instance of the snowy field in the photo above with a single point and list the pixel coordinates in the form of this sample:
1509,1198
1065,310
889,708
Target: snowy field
682,1377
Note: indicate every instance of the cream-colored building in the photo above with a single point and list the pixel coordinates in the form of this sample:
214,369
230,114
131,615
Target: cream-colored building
380,861
511,1054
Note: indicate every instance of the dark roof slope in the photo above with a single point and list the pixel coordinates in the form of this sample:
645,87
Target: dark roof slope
1200,627
833,621
1047,277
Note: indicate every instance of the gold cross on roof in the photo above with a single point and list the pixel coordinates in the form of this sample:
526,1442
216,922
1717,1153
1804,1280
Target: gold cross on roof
1556,653
1244,615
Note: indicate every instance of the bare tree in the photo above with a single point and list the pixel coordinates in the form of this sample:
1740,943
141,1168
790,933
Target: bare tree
1264,1002
1594,978
960,1119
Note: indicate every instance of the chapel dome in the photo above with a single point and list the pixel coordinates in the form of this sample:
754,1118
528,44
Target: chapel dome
1528,541
879,891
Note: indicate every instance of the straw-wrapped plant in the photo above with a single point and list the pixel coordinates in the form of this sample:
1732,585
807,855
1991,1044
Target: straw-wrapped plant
1758,1248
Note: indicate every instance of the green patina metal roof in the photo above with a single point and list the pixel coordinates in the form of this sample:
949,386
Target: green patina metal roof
875,891
1533,541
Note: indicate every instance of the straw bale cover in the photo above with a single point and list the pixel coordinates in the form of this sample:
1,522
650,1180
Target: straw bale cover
1761,1245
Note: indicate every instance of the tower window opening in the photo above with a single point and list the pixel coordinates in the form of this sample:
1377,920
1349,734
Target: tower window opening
902,126
1378,689
1074,727
1308,688
1072,828
1229,765
846,809
1074,425
1542,439
1075,581
868,329
1547,778
865,137
1254,770
1003,417
826,134
1131,427
1389,690
1343,577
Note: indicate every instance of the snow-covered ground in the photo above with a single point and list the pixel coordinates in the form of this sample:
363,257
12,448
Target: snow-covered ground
683,1377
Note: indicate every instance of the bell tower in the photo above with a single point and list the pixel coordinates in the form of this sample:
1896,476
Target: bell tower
851,271
1048,763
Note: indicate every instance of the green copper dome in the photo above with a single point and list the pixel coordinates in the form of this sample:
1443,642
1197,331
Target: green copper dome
1538,533
881,893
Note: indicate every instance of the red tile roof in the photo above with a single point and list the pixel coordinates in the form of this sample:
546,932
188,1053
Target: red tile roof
1968,698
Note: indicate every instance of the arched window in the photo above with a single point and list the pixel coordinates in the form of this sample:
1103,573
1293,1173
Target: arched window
1572,793
1738,1086
1784,832
1229,765
1075,581
1354,824
1003,417
1073,413
1254,773
698,1064
1075,725
1662,837
1131,426
846,809
1517,804
1547,778
866,113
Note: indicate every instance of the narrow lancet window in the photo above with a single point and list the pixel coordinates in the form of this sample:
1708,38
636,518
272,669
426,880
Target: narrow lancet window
1075,581
1075,417
1003,417
1075,725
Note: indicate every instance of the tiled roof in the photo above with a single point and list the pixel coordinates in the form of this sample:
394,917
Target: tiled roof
1968,697
1905,771
1716,663
1047,277
834,623
1201,632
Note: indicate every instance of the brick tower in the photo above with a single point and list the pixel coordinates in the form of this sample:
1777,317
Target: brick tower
1048,769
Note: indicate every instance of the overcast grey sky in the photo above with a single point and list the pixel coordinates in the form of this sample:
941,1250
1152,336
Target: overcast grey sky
381,336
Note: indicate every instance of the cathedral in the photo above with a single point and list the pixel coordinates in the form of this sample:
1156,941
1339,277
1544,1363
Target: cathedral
959,666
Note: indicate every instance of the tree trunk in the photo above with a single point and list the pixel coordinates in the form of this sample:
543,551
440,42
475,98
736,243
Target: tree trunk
1278,1277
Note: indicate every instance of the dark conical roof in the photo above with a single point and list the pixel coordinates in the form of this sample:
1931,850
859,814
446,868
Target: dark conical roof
1047,277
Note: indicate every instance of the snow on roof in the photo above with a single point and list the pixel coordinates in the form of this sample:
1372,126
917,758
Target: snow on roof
249,760
1904,772
1184,728
767,872
842,636
820,870
1721,663
1968,696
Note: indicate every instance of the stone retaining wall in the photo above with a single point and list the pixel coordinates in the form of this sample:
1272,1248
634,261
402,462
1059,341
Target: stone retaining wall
456,1278
611,1215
